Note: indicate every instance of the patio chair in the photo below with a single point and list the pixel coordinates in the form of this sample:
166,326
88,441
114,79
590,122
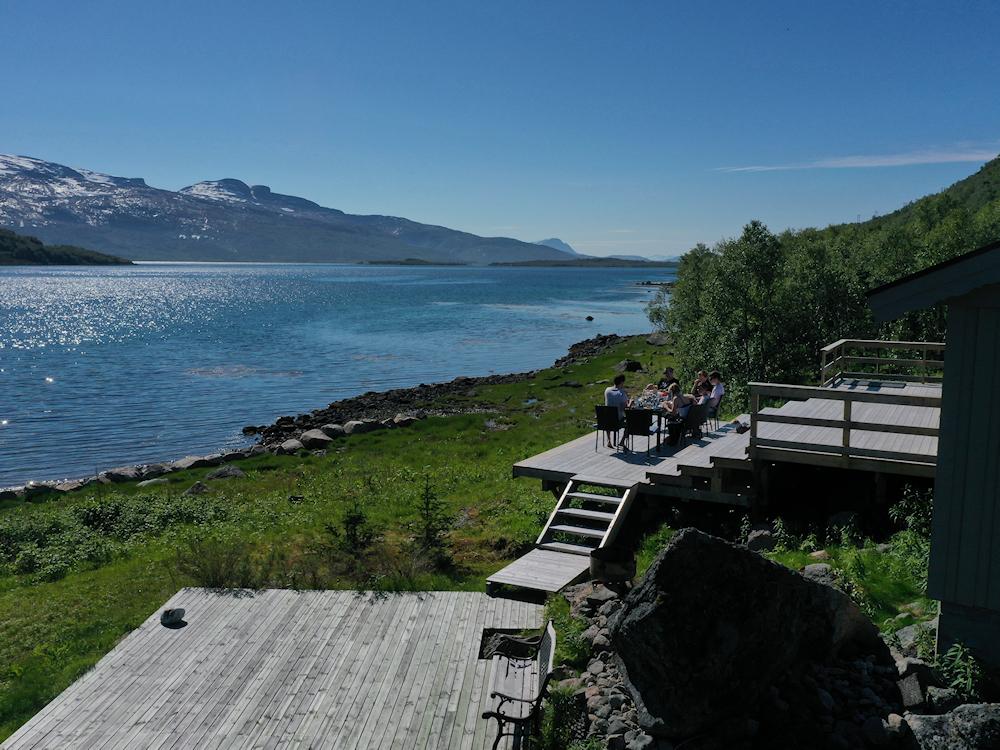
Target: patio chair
694,420
639,423
607,421
714,407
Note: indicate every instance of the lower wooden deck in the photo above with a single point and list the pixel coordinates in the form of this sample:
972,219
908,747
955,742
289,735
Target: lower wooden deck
278,669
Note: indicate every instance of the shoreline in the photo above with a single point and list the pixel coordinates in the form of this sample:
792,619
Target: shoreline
396,408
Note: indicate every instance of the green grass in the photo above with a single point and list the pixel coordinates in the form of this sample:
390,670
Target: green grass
78,572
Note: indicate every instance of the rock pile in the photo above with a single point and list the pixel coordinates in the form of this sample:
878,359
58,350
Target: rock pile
717,647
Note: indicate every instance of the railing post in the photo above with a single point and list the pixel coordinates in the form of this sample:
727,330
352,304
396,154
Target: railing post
847,427
754,408
822,369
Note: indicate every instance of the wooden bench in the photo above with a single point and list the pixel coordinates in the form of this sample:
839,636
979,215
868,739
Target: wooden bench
520,683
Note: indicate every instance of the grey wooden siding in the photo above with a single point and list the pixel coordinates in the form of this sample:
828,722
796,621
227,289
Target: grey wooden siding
965,549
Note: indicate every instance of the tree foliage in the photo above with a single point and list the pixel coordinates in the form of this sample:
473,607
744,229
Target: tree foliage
760,306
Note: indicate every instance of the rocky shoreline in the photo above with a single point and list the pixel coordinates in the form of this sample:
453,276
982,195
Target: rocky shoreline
319,429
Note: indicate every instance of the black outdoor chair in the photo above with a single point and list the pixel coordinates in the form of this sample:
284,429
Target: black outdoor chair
713,412
695,418
639,423
608,420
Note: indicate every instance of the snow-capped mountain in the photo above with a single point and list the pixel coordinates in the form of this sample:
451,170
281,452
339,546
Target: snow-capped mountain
221,220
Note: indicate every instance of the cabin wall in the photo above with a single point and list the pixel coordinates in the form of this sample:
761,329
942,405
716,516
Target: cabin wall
965,544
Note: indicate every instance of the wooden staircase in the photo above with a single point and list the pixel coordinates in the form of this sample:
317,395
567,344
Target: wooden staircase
589,514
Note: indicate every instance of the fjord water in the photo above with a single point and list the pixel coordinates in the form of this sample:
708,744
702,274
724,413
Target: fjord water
101,367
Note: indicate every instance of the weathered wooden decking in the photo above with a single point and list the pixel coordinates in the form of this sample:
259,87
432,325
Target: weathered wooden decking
578,458
277,669
542,570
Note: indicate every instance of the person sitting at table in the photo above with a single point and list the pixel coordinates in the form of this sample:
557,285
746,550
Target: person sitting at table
699,382
677,404
718,389
616,396
668,379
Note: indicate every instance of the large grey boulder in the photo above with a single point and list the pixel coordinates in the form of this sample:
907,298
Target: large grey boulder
712,625
358,426
315,439
226,472
154,482
194,462
122,474
333,430
971,727
290,446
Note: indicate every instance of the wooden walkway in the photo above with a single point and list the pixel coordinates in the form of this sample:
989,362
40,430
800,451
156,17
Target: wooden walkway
279,669
542,570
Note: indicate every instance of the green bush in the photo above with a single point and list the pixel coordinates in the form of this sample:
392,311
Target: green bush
571,649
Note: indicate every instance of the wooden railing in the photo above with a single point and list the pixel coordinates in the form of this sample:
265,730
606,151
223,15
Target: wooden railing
763,447
840,361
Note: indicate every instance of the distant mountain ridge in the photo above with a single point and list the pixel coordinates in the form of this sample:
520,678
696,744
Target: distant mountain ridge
558,244
222,220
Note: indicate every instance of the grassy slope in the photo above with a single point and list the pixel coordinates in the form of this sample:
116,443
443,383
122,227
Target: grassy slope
50,632
53,631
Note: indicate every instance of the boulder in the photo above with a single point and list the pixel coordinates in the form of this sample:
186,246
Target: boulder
226,472
761,540
33,489
821,573
257,450
628,365
198,488
657,339
156,481
333,430
122,474
969,727
8,493
315,439
911,692
712,625
358,426
403,420
941,700
290,446
70,486
154,470
194,462
820,555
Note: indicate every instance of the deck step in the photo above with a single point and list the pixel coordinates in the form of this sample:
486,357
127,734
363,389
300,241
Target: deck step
618,484
609,499
578,531
575,549
590,515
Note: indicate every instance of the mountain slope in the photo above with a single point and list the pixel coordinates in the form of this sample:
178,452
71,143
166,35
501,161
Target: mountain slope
222,220
558,244
18,250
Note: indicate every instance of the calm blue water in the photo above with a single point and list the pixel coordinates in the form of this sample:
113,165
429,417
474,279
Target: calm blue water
101,367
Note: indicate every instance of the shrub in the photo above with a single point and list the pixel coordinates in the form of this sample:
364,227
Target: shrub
219,563
571,649
914,511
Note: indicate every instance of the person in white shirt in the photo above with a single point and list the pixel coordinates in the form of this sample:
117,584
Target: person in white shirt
718,389
616,396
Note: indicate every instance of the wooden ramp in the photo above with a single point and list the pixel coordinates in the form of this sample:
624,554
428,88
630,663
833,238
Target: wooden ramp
541,570
279,669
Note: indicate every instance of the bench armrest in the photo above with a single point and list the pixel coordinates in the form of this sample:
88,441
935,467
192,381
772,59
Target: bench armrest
503,697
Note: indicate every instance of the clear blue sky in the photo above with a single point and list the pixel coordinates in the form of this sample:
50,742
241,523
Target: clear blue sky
612,125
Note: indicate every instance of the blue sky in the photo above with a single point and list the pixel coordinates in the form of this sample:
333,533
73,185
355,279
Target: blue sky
619,127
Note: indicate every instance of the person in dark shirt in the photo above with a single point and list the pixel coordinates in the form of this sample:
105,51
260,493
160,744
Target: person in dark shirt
667,380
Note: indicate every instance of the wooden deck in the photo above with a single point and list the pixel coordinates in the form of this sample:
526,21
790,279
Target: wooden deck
889,426
312,669
578,458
